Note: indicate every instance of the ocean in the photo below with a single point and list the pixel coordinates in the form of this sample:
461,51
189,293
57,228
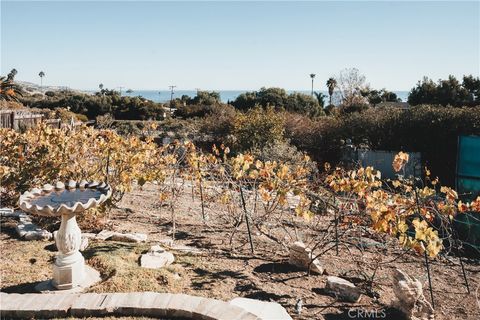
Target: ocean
225,95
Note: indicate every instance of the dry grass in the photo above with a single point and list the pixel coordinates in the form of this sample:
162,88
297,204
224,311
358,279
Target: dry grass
118,264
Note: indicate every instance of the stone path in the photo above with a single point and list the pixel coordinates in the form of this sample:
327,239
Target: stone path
147,304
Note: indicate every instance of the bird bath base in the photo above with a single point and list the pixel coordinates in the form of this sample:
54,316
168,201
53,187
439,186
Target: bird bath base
92,277
70,274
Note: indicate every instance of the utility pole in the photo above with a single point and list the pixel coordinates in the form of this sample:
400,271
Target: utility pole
312,75
171,96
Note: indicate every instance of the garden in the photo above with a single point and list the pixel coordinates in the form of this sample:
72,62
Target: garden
242,225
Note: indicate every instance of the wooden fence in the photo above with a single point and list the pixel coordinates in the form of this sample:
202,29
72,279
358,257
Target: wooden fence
21,120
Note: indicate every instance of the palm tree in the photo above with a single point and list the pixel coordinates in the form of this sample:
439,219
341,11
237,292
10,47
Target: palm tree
41,75
312,75
331,84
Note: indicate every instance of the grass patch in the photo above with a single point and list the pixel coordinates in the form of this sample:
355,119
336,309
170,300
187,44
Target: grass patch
118,264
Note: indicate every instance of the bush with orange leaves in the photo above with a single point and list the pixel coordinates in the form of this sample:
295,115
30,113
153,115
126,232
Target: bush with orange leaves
401,208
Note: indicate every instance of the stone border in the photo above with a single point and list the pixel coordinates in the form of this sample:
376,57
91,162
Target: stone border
148,304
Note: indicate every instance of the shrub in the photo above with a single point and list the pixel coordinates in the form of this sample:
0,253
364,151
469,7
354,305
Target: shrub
258,127
431,130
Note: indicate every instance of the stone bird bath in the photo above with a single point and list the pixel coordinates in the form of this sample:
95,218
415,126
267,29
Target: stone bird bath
66,201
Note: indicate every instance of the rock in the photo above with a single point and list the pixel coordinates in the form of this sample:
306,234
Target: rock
117,236
343,289
7,212
29,231
156,250
187,249
301,256
71,184
59,185
89,235
156,258
410,298
129,237
48,187
105,234
262,309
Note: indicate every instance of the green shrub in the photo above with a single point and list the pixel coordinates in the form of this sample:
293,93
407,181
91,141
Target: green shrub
431,130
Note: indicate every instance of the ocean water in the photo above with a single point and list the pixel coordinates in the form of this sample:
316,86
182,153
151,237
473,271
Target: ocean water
225,95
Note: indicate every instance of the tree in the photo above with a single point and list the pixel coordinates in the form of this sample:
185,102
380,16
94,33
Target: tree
11,75
258,127
312,75
446,92
351,82
377,96
331,85
100,86
41,75
320,98
304,104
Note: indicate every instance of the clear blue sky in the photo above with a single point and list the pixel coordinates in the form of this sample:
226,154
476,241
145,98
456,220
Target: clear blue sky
235,45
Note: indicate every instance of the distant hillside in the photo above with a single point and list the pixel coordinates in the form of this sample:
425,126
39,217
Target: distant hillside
34,88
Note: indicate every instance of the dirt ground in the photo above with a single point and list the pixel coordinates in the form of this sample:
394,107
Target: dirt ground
223,271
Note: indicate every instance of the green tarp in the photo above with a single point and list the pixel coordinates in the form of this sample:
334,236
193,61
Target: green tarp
468,167
468,187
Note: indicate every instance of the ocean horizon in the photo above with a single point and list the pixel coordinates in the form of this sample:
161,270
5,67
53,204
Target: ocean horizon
225,95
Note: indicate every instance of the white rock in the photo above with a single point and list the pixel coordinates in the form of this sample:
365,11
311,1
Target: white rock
156,259
7,212
187,249
29,231
343,289
129,237
156,250
301,256
262,309
410,298
89,235
47,187
71,184
105,234
59,185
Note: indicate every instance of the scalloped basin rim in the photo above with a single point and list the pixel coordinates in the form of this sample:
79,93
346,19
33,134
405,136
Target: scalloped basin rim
48,202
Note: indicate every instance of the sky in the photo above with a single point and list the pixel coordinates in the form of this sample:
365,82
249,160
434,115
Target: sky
237,45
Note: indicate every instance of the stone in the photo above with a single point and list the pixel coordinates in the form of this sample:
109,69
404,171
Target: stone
71,184
7,212
301,257
105,234
410,298
89,235
262,309
30,231
129,237
343,289
48,187
187,249
156,258
59,185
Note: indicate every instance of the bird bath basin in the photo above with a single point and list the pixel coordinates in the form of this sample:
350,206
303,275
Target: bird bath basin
66,201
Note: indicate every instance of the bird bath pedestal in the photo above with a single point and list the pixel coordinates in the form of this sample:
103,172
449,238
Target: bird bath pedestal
66,201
